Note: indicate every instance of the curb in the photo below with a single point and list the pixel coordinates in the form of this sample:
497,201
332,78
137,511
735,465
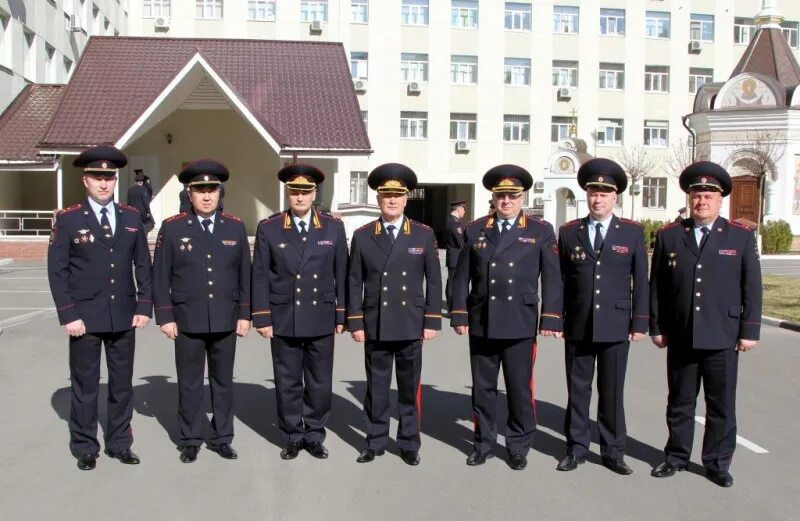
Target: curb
6,262
783,324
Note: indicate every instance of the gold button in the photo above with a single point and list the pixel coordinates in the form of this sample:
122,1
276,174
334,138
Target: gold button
404,273
297,302
111,250
597,276
492,281
298,276
315,290
210,282
597,291
493,297
699,279
210,295
314,302
112,297
298,290
511,264
597,306
697,294
112,281
385,274
385,303
494,264
403,303
598,263
697,308
209,255
112,265
510,281
209,269
404,288
699,266
510,297
315,275
385,288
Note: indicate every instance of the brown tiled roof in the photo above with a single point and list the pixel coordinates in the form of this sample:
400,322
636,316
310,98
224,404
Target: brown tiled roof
25,121
769,54
301,92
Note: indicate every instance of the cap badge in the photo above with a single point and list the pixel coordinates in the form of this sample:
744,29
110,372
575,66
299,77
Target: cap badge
600,179
105,165
703,179
205,178
506,182
393,183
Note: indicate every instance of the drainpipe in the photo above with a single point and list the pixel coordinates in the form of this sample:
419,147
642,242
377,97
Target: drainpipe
684,120
59,184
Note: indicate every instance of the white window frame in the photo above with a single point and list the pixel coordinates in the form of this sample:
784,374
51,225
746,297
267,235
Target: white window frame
313,10
656,78
743,30
698,79
516,128
413,67
656,134
67,66
154,8
701,27
415,13
565,73
518,17
517,71
790,31
566,19
463,70
29,55
413,125
655,23
359,11
359,65
463,127
365,119
612,22
612,74
559,128
654,192
50,72
614,127
464,14
262,10
208,9
359,189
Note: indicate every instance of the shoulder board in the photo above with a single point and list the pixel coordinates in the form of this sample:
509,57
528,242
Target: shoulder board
571,223
70,209
369,224
537,220
670,225
329,216
421,225
740,225
128,207
271,217
231,217
478,220
176,217
628,221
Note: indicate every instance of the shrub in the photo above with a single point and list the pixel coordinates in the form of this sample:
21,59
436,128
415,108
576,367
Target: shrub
651,226
776,237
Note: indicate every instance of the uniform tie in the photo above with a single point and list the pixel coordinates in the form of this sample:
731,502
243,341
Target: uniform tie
598,237
104,222
303,231
504,227
390,230
207,225
704,231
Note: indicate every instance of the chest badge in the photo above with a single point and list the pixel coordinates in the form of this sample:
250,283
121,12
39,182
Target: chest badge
83,237
673,259
186,244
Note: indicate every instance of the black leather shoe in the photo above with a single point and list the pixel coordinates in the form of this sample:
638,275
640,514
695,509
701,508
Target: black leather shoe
225,450
189,453
665,470
518,461
317,449
722,478
87,462
127,457
368,455
410,457
617,465
291,450
479,458
570,462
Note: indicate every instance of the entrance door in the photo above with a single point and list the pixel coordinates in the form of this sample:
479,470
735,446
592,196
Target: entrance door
745,198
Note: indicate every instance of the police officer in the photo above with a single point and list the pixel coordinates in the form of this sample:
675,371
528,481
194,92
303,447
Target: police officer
185,202
93,246
604,267
202,299
453,240
498,273
139,197
705,308
681,215
390,259
299,281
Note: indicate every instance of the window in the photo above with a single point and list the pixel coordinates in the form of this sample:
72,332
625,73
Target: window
790,32
516,129
414,12
358,187
413,67
358,65
313,10
743,30
518,17
559,128
359,11
656,24
609,132
654,192
5,59
612,22
49,63
463,70
261,10
364,116
67,67
413,125
565,74
612,76
565,19
656,134
517,71
464,14
698,77
156,8
208,9
30,56
701,27
463,126
656,78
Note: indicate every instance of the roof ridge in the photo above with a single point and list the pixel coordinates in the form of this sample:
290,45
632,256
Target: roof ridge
237,40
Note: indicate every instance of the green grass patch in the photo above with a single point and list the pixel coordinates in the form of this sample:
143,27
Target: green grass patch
782,297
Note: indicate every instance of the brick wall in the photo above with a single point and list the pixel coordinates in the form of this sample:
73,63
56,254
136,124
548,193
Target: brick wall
24,249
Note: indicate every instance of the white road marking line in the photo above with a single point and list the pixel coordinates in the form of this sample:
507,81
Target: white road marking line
741,441
25,317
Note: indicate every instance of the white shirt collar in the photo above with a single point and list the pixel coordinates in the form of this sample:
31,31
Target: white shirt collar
397,224
604,222
96,207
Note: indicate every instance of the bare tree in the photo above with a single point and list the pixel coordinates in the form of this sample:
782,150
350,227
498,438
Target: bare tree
679,157
637,163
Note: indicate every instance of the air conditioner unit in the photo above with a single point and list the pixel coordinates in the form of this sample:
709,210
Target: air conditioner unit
72,24
162,23
414,87
316,26
636,189
694,46
538,186
462,146
565,93
360,85
538,201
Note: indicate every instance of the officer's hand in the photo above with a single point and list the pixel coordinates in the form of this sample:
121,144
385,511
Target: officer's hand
461,330
265,332
428,334
358,336
659,340
242,327
76,328
635,337
340,329
140,321
745,345
170,329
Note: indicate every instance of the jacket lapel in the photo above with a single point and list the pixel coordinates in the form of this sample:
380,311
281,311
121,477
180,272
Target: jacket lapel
583,237
120,224
379,236
315,232
291,234
490,231
689,240
611,233
401,242
511,235
715,231
92,224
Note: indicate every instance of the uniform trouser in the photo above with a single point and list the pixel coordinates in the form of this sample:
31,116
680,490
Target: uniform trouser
84,368
378,360
303,410
717,370
612,361
190,360
448,289
517,357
